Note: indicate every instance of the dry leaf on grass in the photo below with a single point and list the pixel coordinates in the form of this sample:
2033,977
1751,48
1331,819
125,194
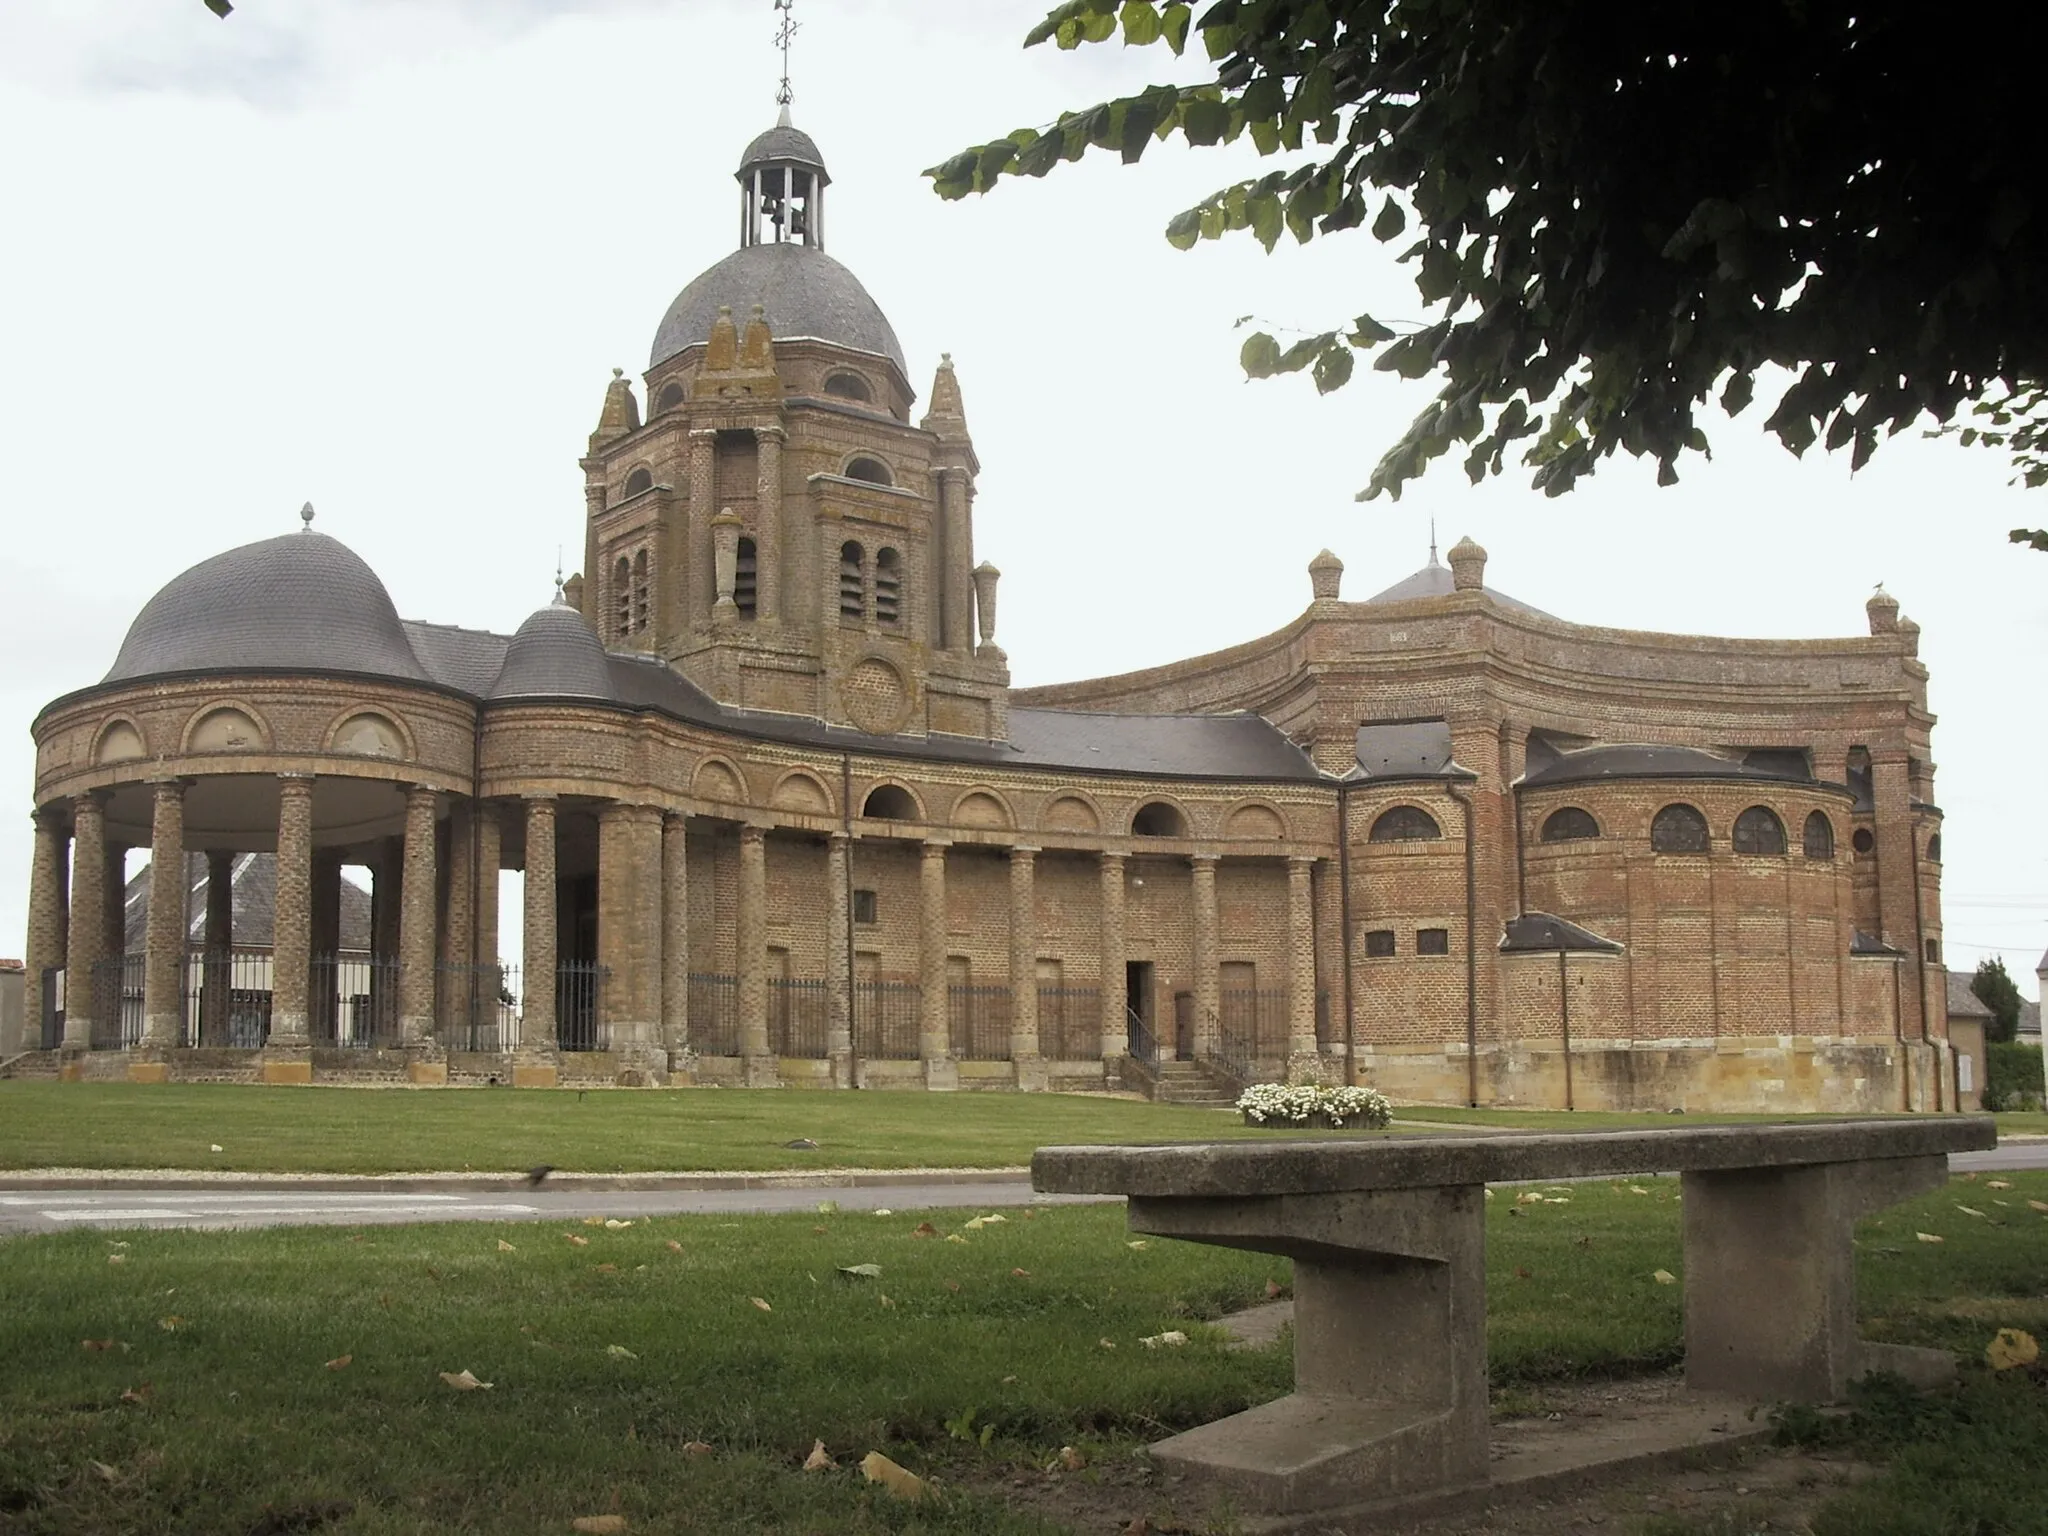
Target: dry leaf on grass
1107,1343
887,1302
1138,1243
1071,1459
1637,1189
862,1271
1275,1290
598,1525
578,1239
1173,1338
1020,1274
593,1221
924,1229
955,1237
505,1247
1998,1183
340,1362
953,1286
463,1381
1929,1237
900,1481
828,1207
2037,1205
883,1210
216,1147
1969,1210
757,1301
136,1394
111,1474
696,1448
615,1225
2010,1347
674,1246
1558,1200
818,1461
620,1352
1522,1272
170,1324
1533,1197
117,1258
97,1345
1663,1277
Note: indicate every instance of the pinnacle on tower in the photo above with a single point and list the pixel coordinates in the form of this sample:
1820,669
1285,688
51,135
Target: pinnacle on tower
621,412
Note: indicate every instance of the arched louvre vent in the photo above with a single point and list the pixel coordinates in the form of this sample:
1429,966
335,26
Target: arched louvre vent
889,587
746,580
852,597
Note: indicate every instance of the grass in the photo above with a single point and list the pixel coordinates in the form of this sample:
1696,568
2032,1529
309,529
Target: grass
2023,1123
354,1130
241,1426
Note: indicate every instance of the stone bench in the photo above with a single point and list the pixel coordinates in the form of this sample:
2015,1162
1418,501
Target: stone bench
1388,1240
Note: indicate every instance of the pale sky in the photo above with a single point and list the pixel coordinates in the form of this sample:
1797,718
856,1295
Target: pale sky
383,255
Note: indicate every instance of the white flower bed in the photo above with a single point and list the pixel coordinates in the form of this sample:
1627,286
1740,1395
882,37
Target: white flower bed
1309,1103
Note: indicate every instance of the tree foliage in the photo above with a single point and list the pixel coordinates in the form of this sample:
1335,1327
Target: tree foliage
1996,991
1617,212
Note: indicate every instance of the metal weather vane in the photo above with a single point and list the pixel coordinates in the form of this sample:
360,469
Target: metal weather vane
785,34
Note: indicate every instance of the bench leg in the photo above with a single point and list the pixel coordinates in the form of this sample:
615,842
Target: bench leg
1770,1277
1389,1348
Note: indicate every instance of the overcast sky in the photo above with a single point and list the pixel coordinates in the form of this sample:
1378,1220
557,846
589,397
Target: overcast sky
383,255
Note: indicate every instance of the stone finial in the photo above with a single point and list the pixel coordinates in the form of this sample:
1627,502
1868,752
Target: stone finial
721,352
306,518
621,412
985,578
1909,631
1883,609
1468,565
946,408
572,592
757,349
1325,576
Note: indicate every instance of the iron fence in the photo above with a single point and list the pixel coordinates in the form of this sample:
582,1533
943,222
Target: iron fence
1140,1042
799,1009
886,1016
227,999
579,994
978,1022
1070,1022
480,1004
714,1014
117,1003
1252,1024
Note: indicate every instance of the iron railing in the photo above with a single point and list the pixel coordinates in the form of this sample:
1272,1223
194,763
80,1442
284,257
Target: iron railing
798,1010
480,1004
978,1022
579,1017
714,1014
886,1016
117,1003
1252,1024
1070,1022
1140,1043
226,999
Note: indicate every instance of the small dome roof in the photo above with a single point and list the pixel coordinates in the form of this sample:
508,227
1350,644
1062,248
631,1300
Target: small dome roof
786,145
555,655
1435,580
803,292
299,602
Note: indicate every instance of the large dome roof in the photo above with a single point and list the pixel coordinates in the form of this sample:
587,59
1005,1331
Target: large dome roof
804,293
555,655
301,602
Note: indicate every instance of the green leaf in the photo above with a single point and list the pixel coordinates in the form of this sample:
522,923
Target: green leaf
1736,397
1184,229
1390,222
862,1271
1141,24
1367,332
1259,356
1266,218
1332,369
1203,121
1058,17
1265,134
1173,23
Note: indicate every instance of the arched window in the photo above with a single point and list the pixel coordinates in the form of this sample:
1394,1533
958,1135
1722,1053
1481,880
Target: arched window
889,802
745,580
622,598
848,386
1568,825
853,602
1403,824
874,471
1820,836
671,397
1678,829
640,593
1158,819
640,480
1934,849
1862,842
1758,831
888,586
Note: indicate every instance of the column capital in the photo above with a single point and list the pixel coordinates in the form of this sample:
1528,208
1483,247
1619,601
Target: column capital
1025,850
1301,860
952,472
1112,856
168,782
1205,858
773,432
629,810
540,796
706,435
753,832
295,784
936,846
839,839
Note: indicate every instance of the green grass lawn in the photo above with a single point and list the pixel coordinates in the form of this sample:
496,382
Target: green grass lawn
2023,1123
208,1403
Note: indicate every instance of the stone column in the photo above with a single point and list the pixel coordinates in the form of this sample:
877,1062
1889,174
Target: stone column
955,578
457,938
163,973
1208,984
1025,1055
839,958
751,933
218,943
1304,1063
675,936
114,901
416,946
490,860
48,915
725,557
1898,870
535,1066
934,1034
323,992
629,937
86,944
768,525
703,482
1116,1034
287,1054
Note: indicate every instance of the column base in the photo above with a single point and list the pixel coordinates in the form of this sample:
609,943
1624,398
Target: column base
71,1063
842,1069
535,1072
149,1069
941,1074
1305,1067
1033,1076
426,1066
761,1072
290,1063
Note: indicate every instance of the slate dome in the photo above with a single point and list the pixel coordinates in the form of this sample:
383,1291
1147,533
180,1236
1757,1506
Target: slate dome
786,145
554,655
299,602
803,292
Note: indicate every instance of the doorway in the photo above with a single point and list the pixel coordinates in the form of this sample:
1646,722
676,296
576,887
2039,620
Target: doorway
1140,1030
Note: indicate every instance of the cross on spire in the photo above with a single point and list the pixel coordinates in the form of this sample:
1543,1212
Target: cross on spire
785,33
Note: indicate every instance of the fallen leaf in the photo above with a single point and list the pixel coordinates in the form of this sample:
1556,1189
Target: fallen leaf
900,1481
578,1239
953,1286
1020,1274
620,1352
818,1461
817,1231
2010,1347
1637,1189
828,1207
463,1381
170,1324
1007,1380
605,1269
864,1271
1138,1243
505,1247
1998,1183
1489,1192
1173,1338
1107,1343
598,1525
1971,1211
117,1258
757,1301
1275,1290
97,1345
1522,1273
1533,1197
593,1221
613,1224
674,1246
1071,1459
1929,1237
1583,1241
696,1448
1558,1200
339,1362
1663,1277
136,1394
955,1237
111,1474
887,1302
924,1229
2037,1205
216,1147
883,1210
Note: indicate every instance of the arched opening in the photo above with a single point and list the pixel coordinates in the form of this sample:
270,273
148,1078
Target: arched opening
671,397
622,598
641,479
848,386
1819,839
853,602
888,586
745,580
1568,825
1758,831
1158,819
1404,824
1678,829
640,593
889,802
1934,849
872,470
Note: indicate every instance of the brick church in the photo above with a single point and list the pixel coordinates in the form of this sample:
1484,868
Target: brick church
783,820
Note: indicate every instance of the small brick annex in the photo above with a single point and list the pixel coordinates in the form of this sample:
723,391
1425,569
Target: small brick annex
782,818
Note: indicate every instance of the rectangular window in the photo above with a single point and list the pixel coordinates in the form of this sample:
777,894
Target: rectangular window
1432,941
864,908
1934,951
1379,943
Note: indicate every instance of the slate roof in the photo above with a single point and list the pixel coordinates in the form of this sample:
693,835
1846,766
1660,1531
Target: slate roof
803,292
1861,943
467,660
255,911
1435,580
1962,1002
555,655
1406,749
1542,931
2030,1018
782,142
1656,762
